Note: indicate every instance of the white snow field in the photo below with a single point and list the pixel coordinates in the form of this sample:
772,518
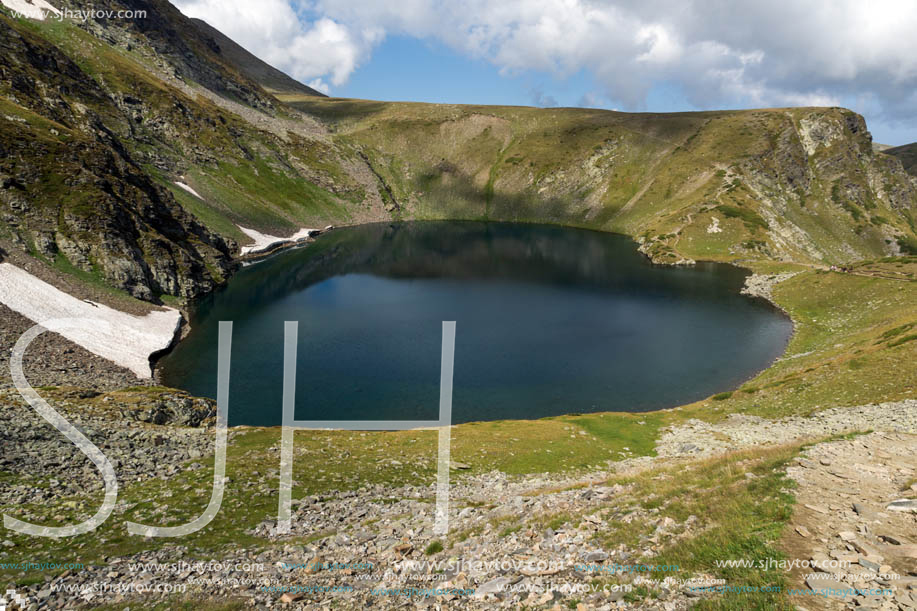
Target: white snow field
119,337
264,241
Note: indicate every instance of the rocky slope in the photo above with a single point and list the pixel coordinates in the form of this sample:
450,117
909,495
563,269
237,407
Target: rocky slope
273,80
515,542
99,120
71,192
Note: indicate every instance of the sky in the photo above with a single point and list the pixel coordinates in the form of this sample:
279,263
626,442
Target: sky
628,55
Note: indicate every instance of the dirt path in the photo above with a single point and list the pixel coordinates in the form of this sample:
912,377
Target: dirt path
843,523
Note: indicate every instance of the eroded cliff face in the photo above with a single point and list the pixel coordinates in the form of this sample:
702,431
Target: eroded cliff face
121,226
825,195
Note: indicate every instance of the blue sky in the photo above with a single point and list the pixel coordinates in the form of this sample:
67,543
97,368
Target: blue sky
629,55
408,69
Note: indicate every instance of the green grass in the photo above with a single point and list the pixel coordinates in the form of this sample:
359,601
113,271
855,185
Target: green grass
902,340
214,218
851,334
751,218
908,245
260,196
735,517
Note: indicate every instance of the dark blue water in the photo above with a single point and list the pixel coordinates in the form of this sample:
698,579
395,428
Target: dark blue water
549,321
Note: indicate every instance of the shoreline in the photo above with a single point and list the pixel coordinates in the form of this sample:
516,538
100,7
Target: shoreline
756,286
759,286
266,244
762,285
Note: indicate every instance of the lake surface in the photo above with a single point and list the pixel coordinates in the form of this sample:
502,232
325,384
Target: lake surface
549,321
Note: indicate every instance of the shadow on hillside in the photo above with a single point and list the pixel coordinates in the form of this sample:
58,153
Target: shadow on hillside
457,197
338,109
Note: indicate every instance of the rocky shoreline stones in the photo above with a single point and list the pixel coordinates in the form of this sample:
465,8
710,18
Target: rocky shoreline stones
762,285
155,439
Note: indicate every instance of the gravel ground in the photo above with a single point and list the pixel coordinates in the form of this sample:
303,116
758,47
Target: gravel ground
386,527
148,439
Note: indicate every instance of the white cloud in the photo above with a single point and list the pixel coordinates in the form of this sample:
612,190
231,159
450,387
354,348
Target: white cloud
319,85
539,98
315,51
590,99
718,53
663,48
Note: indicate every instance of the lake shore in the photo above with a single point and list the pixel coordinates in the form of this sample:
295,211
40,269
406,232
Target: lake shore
389,281
159,340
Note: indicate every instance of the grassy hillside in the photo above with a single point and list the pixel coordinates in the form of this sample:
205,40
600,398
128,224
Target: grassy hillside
90,126
907,154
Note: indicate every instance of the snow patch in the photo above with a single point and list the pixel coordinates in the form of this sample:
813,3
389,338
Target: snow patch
33,9
264,241
189,190
121,338
714,226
